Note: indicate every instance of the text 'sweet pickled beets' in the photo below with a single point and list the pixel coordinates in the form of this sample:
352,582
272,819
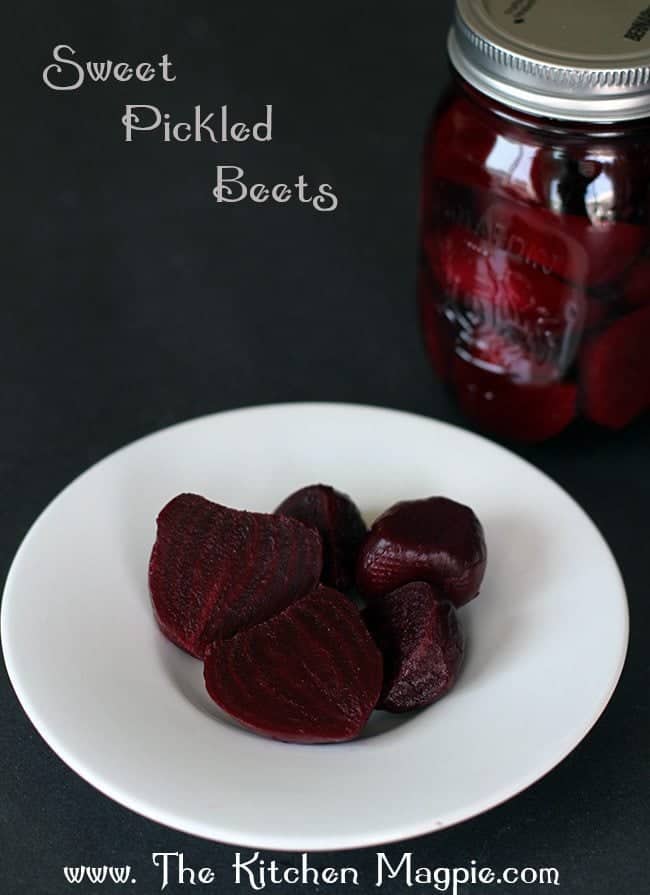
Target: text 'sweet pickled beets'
534,283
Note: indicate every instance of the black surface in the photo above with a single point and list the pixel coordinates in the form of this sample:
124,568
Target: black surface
131,300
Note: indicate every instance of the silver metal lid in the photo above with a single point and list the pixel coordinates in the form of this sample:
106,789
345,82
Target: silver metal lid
580,60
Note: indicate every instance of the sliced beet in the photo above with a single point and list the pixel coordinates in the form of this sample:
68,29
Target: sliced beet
436,540
336,517
311,674
615,371
215,570
422,643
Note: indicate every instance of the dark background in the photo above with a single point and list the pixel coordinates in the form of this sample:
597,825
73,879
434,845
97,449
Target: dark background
131,300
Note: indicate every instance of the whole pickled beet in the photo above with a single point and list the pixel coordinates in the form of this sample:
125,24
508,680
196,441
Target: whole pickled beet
510,357
602,181
531,234
458,125
636,288
513,410
615,371
505,292
215,570
585,252
421,640
311,674
466,149
435,540
335,516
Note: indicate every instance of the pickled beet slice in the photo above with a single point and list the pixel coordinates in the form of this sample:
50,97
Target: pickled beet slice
422,644
311,674
436,540
615,371
512,410
215,570
337,519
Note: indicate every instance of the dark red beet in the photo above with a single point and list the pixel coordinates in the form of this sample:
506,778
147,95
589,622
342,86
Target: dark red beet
599,310
422,644
573,247
493,352
459,126
435,540
335,516
636,289
215,570
610,248
531,234
512,410
588,177
615,371
311,674
504,291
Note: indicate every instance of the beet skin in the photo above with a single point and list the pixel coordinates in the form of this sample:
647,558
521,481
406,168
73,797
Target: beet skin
214,570
336,517
422,644
311,674
435,540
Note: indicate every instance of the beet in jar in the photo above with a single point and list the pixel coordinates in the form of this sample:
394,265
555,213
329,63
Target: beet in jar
534,281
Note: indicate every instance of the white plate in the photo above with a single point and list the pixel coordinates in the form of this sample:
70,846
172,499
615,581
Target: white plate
128,712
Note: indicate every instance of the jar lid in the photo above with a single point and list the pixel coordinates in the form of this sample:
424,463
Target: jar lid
580,60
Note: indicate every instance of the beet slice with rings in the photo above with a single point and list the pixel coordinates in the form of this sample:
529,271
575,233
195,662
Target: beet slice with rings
311,674
436,540
336,517
421,640
215,570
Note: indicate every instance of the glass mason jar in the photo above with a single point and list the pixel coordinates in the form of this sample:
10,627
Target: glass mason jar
534,280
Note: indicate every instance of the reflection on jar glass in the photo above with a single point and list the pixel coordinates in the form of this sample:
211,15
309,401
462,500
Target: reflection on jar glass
534,281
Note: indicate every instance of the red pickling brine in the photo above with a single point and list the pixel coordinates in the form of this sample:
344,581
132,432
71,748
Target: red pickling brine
535,220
